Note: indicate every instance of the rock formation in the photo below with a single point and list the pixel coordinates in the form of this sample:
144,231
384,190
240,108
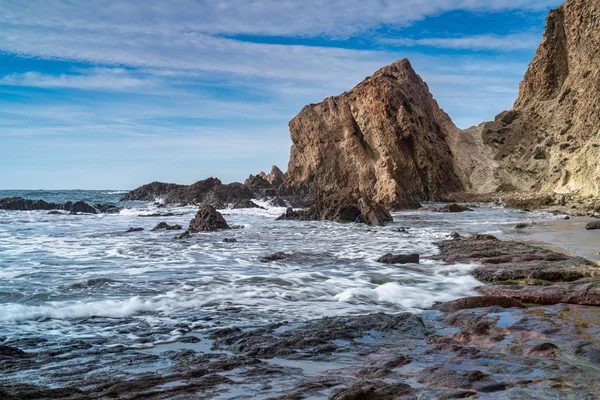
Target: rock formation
207,219
550,141
384,141
208,191
78,207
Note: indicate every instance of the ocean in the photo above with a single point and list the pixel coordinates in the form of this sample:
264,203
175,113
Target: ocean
82,279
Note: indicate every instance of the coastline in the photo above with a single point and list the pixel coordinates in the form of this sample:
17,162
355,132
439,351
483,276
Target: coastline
565,236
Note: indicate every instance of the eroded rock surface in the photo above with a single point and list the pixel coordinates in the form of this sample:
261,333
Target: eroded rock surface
207,219
385,139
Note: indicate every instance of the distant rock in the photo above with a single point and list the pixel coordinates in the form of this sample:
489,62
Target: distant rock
78,207
134,230
166,226
81,207
209,191
453,208
207,219
399,259
245,203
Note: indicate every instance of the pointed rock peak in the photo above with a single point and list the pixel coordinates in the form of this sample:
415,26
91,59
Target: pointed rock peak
402,70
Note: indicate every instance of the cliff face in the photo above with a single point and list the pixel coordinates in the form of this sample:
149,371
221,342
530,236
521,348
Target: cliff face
550,141
386,140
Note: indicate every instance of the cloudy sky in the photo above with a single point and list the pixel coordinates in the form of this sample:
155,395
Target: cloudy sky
111,94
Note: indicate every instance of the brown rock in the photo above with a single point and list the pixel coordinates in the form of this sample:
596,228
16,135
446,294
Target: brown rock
383,141
453,208
479,301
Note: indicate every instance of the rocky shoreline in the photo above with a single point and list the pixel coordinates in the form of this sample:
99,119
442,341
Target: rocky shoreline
518,340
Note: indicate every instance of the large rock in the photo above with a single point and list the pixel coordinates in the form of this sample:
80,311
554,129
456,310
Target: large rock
385,141
550,140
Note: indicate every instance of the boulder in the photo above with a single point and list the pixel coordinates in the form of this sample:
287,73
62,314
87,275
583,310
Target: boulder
453,208
592,225
207,219
81,207
399,259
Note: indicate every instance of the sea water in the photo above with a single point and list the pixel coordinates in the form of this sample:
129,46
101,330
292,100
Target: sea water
82,277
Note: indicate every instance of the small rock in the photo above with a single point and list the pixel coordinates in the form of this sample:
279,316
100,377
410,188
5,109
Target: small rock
229,240
399,259
592,225
207,219
166,226
276,257
134,230
453,208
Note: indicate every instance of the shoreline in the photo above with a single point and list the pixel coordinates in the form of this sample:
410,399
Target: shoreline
564,236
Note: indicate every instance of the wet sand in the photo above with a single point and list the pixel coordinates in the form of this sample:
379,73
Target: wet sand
567,236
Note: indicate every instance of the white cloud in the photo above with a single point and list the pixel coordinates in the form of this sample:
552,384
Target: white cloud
103,79
306,18
518,41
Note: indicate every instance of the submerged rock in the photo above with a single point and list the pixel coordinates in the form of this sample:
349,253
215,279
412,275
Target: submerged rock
134,230
390,258
166,226
453,208
229,240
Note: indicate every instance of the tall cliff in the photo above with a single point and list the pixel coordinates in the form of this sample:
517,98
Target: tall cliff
388,141
550,140
385,141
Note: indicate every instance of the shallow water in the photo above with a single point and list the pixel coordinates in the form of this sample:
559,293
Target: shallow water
65,277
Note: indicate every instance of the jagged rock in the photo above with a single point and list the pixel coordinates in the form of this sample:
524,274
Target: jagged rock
166,226
277,202
549,141
79,207
208,191
207,219
245,203
272,180
385,141
592,225
399,259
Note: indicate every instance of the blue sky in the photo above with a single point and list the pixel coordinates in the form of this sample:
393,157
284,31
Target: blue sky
115,94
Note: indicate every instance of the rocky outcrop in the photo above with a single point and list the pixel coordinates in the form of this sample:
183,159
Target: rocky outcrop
208,191
385,142
207,219
78,207
527,273
550,141
272,180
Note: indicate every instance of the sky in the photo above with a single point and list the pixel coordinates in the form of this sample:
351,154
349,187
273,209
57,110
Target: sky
112,94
